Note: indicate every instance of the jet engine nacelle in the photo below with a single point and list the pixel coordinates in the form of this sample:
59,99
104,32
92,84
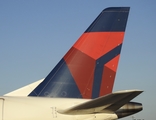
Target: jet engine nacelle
129,109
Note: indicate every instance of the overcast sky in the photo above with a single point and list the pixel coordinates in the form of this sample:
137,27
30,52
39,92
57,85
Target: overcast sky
35,34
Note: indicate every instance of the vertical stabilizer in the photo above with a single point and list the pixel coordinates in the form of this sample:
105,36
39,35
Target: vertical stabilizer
88,69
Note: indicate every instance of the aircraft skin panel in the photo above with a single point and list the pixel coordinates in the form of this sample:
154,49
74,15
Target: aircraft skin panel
97,44
99,72
110,19
107,81
81,67
112,64
33,109
58,84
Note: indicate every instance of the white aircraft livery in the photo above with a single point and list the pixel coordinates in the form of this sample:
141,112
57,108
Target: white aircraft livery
80,85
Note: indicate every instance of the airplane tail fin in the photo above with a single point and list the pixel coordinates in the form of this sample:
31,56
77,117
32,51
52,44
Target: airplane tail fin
88,69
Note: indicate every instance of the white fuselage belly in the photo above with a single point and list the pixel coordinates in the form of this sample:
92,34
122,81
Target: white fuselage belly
35,108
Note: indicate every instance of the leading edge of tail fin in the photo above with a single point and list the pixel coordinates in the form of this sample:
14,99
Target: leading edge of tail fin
88,69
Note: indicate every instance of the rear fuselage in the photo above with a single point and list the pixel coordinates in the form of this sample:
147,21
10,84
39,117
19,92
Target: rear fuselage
38,108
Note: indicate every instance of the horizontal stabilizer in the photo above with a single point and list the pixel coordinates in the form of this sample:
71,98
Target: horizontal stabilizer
108,103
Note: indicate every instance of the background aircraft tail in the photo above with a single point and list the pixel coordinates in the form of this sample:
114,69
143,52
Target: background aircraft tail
88,69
